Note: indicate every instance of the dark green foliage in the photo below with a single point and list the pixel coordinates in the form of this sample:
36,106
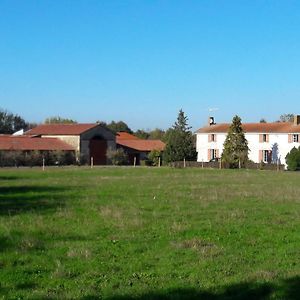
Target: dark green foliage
117,157
59,120
293,159
180,141
235,146
142,134
118,126
10,123
35,158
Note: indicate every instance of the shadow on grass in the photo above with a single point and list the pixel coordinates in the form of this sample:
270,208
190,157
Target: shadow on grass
285,289
9,177
20,199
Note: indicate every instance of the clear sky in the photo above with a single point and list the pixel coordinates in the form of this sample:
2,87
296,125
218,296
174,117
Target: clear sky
141,61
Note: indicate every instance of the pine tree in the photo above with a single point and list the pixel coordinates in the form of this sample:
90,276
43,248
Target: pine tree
236,149
180,141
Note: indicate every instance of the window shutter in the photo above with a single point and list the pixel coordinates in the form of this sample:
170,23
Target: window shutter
209,138
260,158
215,137
208,155
260,138
267,138
217,153
290,138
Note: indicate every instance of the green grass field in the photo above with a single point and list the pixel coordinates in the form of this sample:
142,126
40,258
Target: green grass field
149,233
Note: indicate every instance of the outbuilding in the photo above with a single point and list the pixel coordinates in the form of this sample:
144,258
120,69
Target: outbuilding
88,140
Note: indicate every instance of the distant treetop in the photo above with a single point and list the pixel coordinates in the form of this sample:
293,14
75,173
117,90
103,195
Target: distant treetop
59,120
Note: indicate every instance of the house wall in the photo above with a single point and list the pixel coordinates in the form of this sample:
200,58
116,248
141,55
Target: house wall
73,140
280,140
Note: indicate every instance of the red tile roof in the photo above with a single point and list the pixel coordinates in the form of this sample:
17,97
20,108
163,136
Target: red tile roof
278,127
143,145
23,143
60,129
125,136
130,141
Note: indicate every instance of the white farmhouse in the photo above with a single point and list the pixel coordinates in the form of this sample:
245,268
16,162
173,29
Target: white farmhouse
268,142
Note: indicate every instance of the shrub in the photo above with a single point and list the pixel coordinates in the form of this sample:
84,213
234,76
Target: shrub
35,158
117,157
153,157
293,159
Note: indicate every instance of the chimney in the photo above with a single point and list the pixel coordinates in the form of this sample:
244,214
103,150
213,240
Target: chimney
211,121
296,120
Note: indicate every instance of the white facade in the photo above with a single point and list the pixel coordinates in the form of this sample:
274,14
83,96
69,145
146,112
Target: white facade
266,147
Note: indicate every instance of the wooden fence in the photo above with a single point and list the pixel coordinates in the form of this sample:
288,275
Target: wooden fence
222,165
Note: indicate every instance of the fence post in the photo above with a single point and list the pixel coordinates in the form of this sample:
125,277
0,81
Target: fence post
239,163
202,165
134,161
43,164
220,164
92,162
159,161
184,162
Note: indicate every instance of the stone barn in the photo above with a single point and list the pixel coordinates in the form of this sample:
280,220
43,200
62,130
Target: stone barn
88,140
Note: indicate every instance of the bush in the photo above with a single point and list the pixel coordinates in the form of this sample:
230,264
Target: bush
35,158
153,157
117,157
293,159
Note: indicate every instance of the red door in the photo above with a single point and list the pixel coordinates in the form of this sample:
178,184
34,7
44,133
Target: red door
98,150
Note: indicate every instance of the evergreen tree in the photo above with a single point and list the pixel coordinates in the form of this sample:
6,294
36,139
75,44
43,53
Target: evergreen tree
293,159
180,141
235,146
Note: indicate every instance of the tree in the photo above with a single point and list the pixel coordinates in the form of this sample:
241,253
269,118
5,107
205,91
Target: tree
180,142
157,134
286,118
118,126
262,120
10,123
142,134
235,146
59,120
293,159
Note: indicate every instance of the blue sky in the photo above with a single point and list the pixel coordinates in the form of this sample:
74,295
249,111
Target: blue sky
141,61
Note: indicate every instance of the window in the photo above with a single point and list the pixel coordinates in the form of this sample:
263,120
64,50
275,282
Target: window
213,153
265,138
212,138
266,156
296,138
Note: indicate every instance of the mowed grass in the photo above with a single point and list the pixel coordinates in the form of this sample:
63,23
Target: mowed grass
149,233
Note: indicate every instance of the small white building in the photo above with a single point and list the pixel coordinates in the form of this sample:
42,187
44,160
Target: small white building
267,142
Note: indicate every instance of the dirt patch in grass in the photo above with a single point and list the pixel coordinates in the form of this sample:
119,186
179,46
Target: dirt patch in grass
205,248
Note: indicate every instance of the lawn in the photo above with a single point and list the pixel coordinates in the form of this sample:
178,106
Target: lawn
149,233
